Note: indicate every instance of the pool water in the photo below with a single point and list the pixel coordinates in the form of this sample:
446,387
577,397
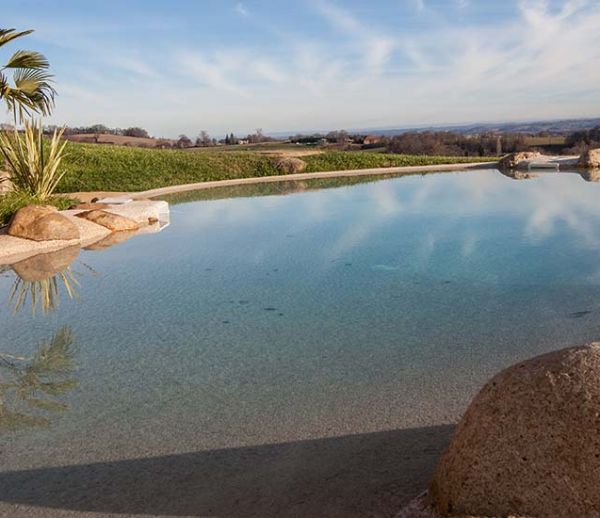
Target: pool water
278,319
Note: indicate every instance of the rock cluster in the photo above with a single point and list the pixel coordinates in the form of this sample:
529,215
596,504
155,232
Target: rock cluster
289,165
590,159
529,444
42,223
518,160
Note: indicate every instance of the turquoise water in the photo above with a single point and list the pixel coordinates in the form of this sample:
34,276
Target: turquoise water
322,313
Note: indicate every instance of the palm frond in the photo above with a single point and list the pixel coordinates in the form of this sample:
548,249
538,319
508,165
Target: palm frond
7,35
4,86
30,80
31,90
27,59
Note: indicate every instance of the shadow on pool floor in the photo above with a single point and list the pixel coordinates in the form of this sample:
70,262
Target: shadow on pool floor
366,475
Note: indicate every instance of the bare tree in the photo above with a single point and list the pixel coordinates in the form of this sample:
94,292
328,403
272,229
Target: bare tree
183,141
204,139
136,132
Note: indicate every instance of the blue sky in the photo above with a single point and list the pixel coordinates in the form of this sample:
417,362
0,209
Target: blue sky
185,66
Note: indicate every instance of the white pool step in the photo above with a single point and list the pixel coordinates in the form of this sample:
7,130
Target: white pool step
543,165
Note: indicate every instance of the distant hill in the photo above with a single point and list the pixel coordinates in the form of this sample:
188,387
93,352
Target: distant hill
555,127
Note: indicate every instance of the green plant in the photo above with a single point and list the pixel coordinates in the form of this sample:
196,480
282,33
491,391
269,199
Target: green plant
31,89
32,163
11,202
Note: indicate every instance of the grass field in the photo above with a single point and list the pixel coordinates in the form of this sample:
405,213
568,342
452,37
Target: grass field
93,167
268,148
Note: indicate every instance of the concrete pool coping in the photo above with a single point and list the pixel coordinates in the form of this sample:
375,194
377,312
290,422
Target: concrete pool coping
380,171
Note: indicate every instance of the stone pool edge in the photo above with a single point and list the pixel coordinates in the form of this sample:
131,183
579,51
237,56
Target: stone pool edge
15,249
173,189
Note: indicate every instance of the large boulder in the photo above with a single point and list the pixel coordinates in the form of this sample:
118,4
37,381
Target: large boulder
289,165
113,222
528,443
519,160
42,223
90,206
590,159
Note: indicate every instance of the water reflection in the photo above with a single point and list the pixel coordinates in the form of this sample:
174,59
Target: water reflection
111,240
30,386
276,188
39,278
590,175
518,175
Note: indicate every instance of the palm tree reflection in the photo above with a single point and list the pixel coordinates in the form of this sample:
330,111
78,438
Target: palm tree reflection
30,386
40,278
44,293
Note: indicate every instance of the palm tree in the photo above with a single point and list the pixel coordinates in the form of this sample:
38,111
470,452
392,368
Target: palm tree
31,89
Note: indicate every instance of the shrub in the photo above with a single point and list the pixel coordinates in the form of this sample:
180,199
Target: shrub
32,163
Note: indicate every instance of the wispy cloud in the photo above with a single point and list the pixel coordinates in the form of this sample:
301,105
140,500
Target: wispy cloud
241,10
214,73
323,64
133,63
376,46
231,70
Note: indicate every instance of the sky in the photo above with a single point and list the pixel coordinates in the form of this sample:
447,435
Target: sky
234,66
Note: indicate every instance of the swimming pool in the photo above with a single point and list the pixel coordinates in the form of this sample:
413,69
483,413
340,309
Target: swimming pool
285,348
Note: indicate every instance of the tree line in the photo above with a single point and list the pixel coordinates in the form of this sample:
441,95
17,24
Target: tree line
451,143
583,140
446,143
182,141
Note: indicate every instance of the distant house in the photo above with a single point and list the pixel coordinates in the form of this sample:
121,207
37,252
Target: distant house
242,141
371,140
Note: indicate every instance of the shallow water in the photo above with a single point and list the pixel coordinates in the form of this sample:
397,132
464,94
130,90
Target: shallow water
264,319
